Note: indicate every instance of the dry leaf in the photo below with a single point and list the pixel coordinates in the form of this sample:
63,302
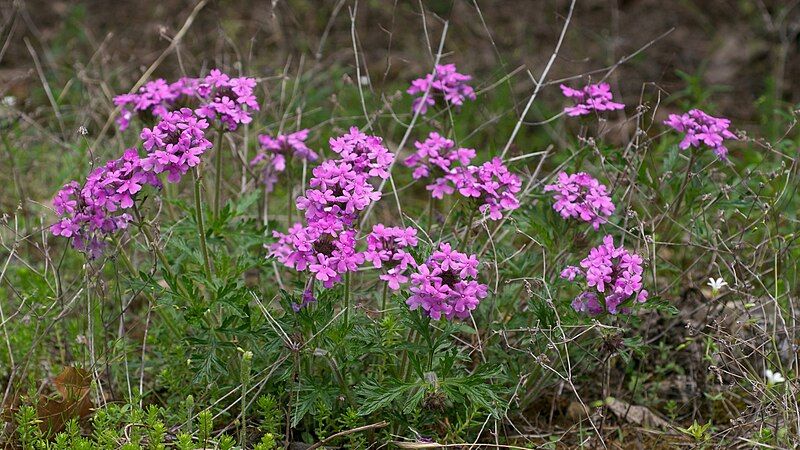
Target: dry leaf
72,385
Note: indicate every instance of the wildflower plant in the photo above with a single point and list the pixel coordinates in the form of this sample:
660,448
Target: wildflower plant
229,100
153,100
580,196
276,152
445,284
700,129
613,280
175,144
100,207
492,185
355,314
388,249
591,98
438,159
446,85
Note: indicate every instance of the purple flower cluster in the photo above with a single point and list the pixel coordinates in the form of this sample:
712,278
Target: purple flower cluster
338,191
155,98
614,273
436,158
593,97
492,184
445,285
581,196
228,99
365,153
90,213
274,151
175,144
444,84
388,248
700,128
327,253
337,194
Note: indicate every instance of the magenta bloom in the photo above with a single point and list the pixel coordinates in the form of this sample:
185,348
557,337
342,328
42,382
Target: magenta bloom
175,144
593,97
699,128
364,152
445,285
274,151
227,99
580,196
437,158
155,98
613,277
326,253
445,85
387,248
337,194
90,213
492,184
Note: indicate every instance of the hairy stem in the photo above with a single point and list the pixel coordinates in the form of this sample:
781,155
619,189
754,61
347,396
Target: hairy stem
198,209
467,231
383,299
218,172
346,299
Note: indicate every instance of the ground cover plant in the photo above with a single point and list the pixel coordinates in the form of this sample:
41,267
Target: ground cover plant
210,247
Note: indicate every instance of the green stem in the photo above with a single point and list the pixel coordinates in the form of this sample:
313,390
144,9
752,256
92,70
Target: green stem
682,192
198,209
289,203
383,299
346,299
430,216
218,173
467,232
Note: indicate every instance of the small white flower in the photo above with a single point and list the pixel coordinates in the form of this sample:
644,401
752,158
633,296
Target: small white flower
364,80
773,378
717,284
9,100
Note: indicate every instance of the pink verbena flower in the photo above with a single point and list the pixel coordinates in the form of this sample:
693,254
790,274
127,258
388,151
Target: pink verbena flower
593,97
175,144
364,152
436,158
326,254
700,128
613,277
227,99
445,84
155,98
387,248
445,285
274,151
337,193
492,184
580,196
91,212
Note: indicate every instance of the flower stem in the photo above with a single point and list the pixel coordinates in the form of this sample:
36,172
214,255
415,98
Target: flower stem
346,299
430,216
289,186
682,192
467,232
218,173
198,209
383,299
